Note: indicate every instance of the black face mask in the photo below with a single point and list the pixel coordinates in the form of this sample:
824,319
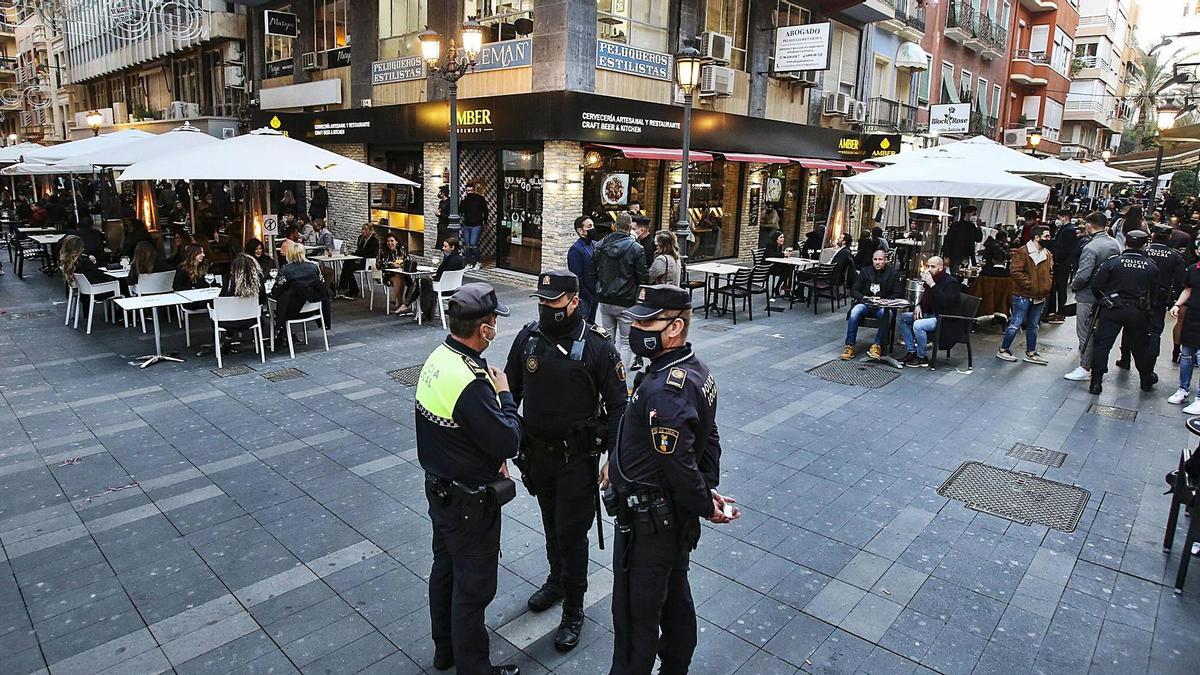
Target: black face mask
645,343
594,235
554,319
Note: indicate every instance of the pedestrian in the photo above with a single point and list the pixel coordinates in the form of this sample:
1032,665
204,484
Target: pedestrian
579,261
664,474
572,381
1189,339
1124,286
1032,219
318,205
665,267
641,232
1063,248
1097,246
618,269
474,213
1033,280
1169,284
959,245
941,296
467,429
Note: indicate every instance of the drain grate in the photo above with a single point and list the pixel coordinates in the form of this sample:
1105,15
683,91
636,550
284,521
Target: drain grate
406,376
284,374
1112,412
232,371
854,373
716,327
39,314
1033,453
1054,349
1016,496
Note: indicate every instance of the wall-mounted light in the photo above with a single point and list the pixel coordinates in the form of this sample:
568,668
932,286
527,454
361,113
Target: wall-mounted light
592,159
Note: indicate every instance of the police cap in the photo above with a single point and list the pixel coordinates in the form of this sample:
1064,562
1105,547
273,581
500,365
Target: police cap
475,301
553,284
656,299
1136,239
1162,228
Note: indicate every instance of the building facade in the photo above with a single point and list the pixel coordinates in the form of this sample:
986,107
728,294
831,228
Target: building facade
1039,74
969,43
1103,66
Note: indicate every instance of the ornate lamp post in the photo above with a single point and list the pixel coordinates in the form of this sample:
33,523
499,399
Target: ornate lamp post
1167,112
1035,139
94,120
1106,155
688,64
455,64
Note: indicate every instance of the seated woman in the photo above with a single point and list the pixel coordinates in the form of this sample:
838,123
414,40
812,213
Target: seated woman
299,281
146,260
392,257
452,258
179,244
244,281
782,272
73,261
190,273
258,252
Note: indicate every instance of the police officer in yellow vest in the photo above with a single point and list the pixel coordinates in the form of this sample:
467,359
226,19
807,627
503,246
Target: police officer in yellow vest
467,428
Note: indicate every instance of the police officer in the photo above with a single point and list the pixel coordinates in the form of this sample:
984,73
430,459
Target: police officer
1124,286
563,367
664,472
1171,270
467,428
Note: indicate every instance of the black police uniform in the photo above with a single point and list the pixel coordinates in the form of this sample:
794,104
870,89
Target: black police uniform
465,430
1171,270
1123,286
562,370
662,471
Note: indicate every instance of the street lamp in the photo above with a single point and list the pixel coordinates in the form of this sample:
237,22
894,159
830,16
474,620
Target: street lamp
1167,111
1035,139
1106,155
12,139
451,69
94,120
688,64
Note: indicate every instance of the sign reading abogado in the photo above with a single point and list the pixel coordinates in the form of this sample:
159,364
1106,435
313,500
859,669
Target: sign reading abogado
804,47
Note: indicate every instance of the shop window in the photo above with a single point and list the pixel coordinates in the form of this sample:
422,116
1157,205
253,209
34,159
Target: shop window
713,208
519,236
729,17
400,21
279,47
402,206
331,24
616,182
501,19
640,23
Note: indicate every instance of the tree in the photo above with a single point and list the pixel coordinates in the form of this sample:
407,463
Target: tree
1150,73
1184,184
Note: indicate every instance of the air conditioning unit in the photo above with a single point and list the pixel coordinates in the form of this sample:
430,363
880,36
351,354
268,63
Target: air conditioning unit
181,110
836,104
716,81
235,77
312,61
857,112
1015,138
231,52
804,78
716,46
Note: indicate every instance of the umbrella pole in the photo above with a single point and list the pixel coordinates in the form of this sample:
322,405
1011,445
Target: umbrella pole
74,196
192,205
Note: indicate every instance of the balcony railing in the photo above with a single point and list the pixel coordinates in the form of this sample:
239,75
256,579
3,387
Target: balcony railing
1086,21
981,124
1091,62
883,112
999,37
961,15
912,15
1031,56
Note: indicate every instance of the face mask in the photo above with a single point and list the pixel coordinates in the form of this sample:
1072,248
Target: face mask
495,334
972,218
553,318
645,342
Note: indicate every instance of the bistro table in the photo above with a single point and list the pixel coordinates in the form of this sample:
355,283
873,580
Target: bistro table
419,272
47,241
713,271
152,303
891,310
336,260
797,263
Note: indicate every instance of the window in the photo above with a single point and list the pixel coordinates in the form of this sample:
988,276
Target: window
965,81
1004,14
641,23
1039,37
791,14
996,101
400,21
949,92
1060,59
331,24
278,47
499,17
923,81
1031,109
981,97
729,17
1088,49
843,60
1052,120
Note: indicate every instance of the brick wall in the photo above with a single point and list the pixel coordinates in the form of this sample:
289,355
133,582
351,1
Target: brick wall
437,157
562,202
747,235
349,203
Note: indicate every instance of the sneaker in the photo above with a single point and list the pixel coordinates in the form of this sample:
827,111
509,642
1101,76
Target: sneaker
875,352
1055,319
847,352
1193,409
1005,355
908,359
918,362
1080,374
1178,397
1034,357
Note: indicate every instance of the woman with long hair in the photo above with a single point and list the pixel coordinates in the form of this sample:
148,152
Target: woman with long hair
190,273
72,260
392,257
665,268
146,260
244,281
258,251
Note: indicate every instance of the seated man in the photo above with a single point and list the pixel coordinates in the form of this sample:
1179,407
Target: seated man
941,297
876,280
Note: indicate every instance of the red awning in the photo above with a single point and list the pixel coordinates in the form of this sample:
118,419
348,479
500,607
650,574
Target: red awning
819,164
758,159
861,166
663,154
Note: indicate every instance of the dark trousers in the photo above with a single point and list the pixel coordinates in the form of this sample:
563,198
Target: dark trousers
653,611
1154,329
349,281
1135,322
566,497
466,553
1058,295
588,306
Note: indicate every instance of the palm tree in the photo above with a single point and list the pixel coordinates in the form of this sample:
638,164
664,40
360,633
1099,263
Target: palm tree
1151,72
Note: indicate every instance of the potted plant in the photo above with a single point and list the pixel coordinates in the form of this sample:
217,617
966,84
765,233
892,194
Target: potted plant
1077,64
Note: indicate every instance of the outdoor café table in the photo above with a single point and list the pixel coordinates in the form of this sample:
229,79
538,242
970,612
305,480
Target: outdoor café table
798,263
420,271
713,271
891,309
47,241
336,260
152,303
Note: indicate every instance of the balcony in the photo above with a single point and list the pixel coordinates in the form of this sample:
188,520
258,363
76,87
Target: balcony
1029,68
893,115
871,11
1039,5
913,18
1095,26
960,22
996,44
1091,111
1094,67
982,125
981,32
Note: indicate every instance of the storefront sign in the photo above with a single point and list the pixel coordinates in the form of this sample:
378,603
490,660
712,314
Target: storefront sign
503,55
633,61
475,122
629,124
284,24
802,47
281,68
755,205
403,69
339,128
868,146
336,58
949,118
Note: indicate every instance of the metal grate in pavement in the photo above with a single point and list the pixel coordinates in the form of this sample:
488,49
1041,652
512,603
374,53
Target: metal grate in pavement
1033,453
284,374
233,371
854,373
39,314
716,327
406,376
1016,496
1111,412
1046,348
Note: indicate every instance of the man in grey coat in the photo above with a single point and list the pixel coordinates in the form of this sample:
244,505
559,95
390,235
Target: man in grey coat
1098,246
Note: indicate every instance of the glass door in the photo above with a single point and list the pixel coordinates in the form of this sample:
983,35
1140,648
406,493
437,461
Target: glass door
519,235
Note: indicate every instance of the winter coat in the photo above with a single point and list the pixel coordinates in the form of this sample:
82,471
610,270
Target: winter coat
1031,279
618,268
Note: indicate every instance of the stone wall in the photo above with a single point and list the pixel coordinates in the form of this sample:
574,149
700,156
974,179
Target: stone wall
562,201
349,203
437,158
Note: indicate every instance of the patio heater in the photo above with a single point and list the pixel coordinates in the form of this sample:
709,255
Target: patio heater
688,64
451,69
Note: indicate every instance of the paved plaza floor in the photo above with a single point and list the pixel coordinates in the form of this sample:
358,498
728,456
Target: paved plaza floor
171,519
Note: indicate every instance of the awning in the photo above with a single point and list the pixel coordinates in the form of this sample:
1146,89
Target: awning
662,154
911,56
819,164
949,90
861,166
758,159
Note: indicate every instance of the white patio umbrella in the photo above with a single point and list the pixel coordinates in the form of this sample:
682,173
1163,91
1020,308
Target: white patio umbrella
12,154
1101,167
169,144
979,149
1095,175
1067,169
65,151
35,169
895,212
946,177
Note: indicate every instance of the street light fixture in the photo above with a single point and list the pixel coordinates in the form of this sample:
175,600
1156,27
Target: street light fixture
1168,110
688,64
94,120
12,139
1106,155
1035,139
451,69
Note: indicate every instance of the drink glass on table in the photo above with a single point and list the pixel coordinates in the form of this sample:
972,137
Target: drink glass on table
210,278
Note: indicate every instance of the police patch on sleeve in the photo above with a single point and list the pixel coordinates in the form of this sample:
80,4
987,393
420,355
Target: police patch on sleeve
664,439
531,364
677,377
620,367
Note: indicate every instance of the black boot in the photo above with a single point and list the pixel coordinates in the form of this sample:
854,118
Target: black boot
1123,362
443,657
1095,387
545,597
1149,382
569,628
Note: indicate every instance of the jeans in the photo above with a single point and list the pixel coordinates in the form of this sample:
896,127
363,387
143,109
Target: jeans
857,313
470,235
1187,361
916,332
1024,311
618,327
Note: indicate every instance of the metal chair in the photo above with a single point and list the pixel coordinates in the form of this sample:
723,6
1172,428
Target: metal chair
363,277
952,329
1184,494
824,282
737,289
226,309
443,288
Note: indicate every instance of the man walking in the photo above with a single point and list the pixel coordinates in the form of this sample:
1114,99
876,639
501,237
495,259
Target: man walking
572,380
1063,248
1123,286
1098,246
579,261
1033,280
618,268
473,209
467,428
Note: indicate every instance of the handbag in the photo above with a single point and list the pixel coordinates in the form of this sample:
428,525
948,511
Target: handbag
502,490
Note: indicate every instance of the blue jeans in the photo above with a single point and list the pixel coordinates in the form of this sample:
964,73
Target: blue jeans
857,313
916,332
470,235
1024,311
1187,361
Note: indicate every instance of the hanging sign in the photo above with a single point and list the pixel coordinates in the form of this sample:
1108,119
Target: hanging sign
802,47
270,225
623,58
949,118
284,24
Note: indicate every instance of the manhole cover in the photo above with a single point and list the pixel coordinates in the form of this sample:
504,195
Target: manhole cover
231,371
1016,496
1111,412
406,376
716,327
1033,453
285,374
854,373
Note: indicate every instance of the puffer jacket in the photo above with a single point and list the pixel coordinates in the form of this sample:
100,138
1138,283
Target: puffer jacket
618,268
1031,280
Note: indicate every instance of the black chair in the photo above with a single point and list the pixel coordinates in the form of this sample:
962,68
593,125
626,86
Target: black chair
826,281
1185,494
759,255
953,329
760,284
738,289
686,283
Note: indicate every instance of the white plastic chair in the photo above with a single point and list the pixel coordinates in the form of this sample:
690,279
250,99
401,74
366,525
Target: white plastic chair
364,278
185,314
444,288
71,291
84,287
236,309
310,312
153,283
377,284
